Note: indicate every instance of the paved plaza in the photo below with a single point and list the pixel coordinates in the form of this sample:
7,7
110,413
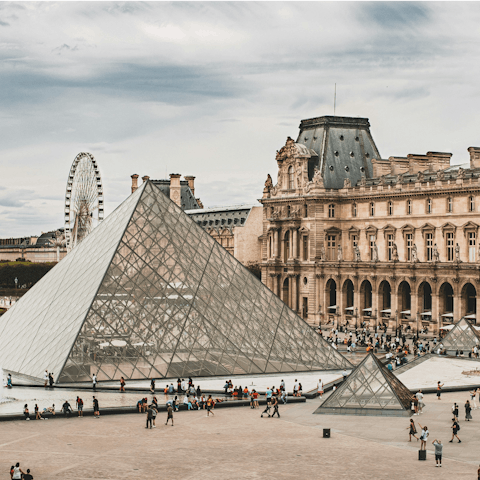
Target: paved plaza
237,442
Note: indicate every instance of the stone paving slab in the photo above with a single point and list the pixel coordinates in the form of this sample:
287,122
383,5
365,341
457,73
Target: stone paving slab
238,443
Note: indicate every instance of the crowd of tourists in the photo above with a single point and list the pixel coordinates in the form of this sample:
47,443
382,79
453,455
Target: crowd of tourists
417,406
66,410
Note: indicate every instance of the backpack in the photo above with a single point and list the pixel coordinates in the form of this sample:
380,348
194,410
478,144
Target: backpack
458,427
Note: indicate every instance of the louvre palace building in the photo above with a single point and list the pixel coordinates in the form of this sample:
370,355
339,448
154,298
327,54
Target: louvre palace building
350,236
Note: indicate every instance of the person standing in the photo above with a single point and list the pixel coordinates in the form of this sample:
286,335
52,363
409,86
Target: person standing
50,379
122,384
179,386
184,385
423,437
38,415
45,379
419,396
412,431
169,413
320,387
439,390
79,406
152,386
17,472
94,383
149,416
455,429
96,409
468,411
438,452
282,385
473,395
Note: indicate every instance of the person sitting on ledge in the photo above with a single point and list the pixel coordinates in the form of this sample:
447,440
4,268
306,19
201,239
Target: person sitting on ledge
50,409
67,408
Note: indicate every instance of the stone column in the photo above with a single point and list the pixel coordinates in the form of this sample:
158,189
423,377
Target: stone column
435,311
414,307
295,244
457,303
394,304
276,244
294,279
290,250
375,309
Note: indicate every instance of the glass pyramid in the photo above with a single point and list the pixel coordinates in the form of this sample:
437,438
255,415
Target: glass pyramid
463,336
371,389
150,294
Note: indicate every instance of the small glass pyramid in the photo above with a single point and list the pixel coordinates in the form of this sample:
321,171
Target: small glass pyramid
371,389
150,294
462,337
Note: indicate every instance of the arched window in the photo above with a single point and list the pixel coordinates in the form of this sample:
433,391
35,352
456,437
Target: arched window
429,205
409,207
390,208
291,178
471,204
354,210
331,211
449,205
372,209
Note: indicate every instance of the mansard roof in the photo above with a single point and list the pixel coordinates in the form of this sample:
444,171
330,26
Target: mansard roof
344,146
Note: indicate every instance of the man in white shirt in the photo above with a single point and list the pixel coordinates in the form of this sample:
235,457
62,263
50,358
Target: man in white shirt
419,396
45,378
184,385
94,382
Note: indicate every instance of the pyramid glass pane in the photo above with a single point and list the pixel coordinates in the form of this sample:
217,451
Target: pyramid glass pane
150,294
371,389
463,336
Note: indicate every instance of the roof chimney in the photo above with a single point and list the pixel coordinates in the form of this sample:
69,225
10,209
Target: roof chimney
134,182
474,157
191,183
145,178
175,189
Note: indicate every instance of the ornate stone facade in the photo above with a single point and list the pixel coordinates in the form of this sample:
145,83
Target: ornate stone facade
396,242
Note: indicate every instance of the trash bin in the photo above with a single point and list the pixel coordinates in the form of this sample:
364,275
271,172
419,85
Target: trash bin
422,454
326,433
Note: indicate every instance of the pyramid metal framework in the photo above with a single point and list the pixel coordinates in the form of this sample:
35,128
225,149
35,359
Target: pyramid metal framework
463,336
150,294
371,389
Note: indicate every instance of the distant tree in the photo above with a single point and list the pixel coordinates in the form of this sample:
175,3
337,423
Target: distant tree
27,273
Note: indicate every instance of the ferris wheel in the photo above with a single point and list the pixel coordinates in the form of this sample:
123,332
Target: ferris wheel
83,199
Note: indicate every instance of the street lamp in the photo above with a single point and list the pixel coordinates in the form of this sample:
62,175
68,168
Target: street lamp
16,281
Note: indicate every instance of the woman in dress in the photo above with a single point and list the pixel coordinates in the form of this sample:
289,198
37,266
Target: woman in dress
468,411
320,388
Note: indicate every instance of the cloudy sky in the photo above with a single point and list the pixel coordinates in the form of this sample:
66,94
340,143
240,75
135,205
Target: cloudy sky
214,89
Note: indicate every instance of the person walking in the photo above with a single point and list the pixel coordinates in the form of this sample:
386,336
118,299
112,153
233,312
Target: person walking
79,403
468,411
94,383
438,452
320,387
423,437
275,407
96,409
122,384
169,413
149,416
412,431
455,411
210,405
26,412
152,386
455,429
439,390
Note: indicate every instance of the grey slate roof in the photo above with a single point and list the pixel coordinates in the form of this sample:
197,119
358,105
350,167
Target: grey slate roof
344,146
188,200
221,217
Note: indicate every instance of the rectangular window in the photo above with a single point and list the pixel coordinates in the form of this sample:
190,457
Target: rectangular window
472,241
305,247
372,246
429,246
390,246
331,248
305,307
409,239
450,247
